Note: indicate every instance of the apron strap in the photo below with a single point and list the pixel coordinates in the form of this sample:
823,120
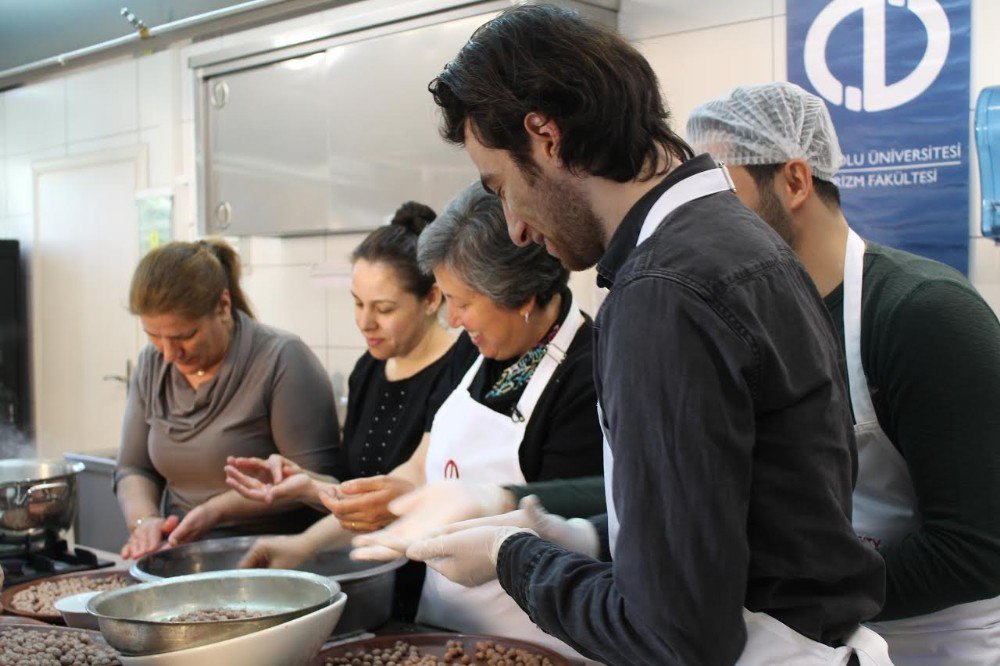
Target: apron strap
693,187
854,262
555,352
470,374
871,649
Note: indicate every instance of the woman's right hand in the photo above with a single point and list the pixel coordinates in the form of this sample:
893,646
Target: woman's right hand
276,478
148,536
362,505
279,552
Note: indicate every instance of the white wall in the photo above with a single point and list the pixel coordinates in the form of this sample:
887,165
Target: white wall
697,49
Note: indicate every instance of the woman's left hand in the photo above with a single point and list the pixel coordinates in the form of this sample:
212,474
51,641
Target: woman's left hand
194,525
362,505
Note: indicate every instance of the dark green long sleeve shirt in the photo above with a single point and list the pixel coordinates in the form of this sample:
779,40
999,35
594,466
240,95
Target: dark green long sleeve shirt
930,347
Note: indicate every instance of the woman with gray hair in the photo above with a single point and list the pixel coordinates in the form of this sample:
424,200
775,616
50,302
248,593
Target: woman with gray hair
522,414
521,420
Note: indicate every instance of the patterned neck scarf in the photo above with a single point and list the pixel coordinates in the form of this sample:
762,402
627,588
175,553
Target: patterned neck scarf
519,373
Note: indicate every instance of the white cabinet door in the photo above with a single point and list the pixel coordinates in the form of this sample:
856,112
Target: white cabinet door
86,247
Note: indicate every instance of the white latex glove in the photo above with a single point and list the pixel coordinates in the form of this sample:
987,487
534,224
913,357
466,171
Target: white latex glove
428,510
467,557
575,534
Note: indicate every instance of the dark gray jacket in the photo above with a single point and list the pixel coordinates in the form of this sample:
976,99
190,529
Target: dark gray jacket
723,392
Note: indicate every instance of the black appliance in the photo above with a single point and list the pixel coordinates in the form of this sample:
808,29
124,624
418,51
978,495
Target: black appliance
14,393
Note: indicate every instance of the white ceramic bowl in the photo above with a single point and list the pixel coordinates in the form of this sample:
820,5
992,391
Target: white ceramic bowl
292,643
74,610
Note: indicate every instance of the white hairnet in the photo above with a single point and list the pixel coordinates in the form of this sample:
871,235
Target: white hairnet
767,124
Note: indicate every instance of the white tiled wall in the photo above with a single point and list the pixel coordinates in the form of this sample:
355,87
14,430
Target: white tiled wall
681,60
103,101
19,178
35,117
698,49
642,19
158,77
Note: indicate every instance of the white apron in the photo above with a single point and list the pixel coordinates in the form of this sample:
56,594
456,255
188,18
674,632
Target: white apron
769,642
886,510
470,441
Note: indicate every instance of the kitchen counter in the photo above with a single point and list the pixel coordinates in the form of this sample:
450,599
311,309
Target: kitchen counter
102,457
119,563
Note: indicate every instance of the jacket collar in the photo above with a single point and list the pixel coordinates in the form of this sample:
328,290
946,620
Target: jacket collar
624,239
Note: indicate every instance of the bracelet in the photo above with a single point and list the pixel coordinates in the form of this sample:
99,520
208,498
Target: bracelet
139,521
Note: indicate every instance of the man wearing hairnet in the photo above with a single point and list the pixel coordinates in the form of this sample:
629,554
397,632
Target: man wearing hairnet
923,359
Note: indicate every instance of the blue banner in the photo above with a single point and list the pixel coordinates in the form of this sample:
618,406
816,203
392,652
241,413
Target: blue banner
895,76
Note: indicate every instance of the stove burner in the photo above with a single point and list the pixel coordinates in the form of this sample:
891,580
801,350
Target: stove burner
21,543
54,557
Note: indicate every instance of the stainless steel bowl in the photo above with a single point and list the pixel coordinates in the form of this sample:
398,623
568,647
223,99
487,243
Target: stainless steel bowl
135,620
38,494
368,585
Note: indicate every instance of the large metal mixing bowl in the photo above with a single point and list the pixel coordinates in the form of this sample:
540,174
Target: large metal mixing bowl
37,494
368,585
136,620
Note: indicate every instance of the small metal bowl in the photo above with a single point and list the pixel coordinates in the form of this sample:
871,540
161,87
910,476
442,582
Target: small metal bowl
368,585
135,620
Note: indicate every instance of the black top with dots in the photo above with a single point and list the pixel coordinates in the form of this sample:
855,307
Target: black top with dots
386,419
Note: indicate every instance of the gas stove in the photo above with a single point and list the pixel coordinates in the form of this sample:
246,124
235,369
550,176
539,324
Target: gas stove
38,555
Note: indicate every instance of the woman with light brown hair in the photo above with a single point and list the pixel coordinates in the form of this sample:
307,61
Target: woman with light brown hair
213,383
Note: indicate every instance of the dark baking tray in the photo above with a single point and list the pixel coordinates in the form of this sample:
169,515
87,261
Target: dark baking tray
7,597
434,644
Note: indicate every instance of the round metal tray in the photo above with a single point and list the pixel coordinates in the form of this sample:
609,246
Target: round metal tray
435,645
7,597
368,585
225,554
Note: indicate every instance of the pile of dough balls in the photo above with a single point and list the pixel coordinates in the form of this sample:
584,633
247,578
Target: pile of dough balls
38,598
53,648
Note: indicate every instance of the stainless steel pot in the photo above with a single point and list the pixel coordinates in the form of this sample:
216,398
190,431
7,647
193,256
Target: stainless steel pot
38,494
368,585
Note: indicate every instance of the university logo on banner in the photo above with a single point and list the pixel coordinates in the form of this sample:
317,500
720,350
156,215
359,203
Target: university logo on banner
895,76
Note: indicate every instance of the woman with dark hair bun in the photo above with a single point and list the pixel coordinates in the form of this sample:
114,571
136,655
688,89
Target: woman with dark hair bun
393,391
213,382
396,309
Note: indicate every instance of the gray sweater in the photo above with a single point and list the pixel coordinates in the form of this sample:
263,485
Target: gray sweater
271,395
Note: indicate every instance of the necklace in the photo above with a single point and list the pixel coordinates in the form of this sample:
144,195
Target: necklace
232,332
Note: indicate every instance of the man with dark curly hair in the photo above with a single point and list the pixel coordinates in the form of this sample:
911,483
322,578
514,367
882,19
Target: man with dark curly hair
729,455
